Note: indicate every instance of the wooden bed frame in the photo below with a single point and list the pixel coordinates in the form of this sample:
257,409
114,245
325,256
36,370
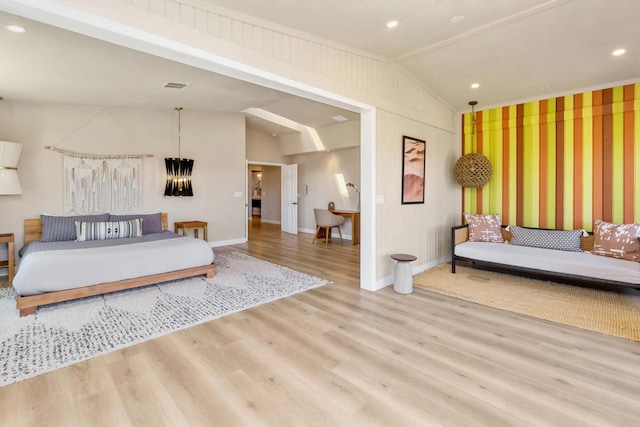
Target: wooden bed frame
28,304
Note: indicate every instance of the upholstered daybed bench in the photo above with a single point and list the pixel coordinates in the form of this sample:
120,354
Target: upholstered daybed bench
579,267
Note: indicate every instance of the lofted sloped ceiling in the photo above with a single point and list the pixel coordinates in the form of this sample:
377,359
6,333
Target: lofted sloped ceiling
515,49
47,64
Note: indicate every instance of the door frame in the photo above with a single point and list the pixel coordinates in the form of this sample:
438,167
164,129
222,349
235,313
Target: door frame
248,196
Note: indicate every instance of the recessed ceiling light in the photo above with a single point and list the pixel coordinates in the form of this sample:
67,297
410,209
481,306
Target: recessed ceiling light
339,118
274,134
16,28
618,52
475,85
457,19
392,24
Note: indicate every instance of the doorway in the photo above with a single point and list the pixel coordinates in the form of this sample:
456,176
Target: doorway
264,193
255,192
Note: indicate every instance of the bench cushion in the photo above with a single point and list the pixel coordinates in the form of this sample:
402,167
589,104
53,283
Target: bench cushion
554,261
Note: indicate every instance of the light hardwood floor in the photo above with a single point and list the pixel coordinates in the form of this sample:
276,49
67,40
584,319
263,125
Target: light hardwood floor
339,356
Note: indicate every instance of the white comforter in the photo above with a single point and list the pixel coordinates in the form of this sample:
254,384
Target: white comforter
56,270
577,263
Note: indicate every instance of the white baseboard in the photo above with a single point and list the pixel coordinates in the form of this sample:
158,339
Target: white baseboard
227,242
270,221
415,270
334,234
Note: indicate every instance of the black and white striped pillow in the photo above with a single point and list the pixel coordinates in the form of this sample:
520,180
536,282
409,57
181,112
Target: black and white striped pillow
108,230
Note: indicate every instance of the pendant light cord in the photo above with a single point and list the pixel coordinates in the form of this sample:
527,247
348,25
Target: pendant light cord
474,123
179,109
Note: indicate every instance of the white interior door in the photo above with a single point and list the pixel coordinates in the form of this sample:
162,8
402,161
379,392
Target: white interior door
290,199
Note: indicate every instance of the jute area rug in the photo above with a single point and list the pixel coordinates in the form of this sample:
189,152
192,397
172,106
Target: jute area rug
62,334
596,310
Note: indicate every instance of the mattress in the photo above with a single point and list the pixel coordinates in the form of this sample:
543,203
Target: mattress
38,246
562,262
61,267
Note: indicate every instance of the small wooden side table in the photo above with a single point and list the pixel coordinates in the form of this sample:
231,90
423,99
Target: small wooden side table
192,225
10,262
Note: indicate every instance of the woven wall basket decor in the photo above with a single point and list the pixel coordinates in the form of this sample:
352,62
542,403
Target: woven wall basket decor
473,170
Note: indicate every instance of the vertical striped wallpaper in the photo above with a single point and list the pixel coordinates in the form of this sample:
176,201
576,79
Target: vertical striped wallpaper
562,162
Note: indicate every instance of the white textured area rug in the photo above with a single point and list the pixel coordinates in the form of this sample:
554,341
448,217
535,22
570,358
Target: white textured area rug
62,334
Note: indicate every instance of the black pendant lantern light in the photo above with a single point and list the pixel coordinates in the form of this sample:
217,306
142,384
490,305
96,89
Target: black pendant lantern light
473,170
178,171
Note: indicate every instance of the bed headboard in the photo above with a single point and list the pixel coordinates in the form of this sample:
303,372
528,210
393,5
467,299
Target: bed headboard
33,228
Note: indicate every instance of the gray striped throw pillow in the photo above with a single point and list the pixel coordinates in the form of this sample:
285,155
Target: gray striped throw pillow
108,230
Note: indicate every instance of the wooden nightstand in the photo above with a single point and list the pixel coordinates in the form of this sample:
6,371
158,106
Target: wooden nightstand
192,225
10,262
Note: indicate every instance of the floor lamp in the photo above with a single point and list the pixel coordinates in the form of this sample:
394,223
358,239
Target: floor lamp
357,191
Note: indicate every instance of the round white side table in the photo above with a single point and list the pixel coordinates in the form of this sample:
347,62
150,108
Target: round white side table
403,279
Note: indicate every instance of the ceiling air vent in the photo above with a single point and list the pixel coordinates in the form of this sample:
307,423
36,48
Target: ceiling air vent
175,85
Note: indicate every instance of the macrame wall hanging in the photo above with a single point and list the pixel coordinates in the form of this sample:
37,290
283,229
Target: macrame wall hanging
101,183
473,170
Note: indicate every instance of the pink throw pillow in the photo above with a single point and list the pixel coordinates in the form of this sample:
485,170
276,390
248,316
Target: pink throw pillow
484,228
617,240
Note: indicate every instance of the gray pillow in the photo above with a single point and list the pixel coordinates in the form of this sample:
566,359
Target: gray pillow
561,240
151,223
60,228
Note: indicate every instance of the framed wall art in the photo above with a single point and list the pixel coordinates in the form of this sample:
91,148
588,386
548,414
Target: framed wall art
413,166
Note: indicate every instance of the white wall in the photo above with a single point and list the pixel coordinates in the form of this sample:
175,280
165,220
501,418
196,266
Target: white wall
323,172
419,229
263,147
214,141
271,194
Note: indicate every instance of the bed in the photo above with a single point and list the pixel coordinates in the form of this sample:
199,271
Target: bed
53,271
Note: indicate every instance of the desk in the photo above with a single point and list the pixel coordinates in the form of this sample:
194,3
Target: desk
355,223
10,262
191,225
